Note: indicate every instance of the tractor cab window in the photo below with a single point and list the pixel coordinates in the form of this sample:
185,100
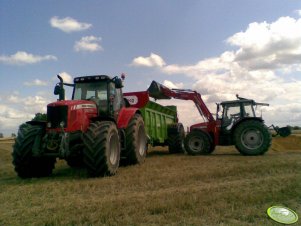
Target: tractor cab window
232,111
231,114
87,91
248,110
96,91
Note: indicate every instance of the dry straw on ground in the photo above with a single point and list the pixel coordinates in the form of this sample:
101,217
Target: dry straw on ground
224,188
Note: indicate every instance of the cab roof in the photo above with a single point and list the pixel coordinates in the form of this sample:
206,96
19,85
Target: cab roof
91,78
249,101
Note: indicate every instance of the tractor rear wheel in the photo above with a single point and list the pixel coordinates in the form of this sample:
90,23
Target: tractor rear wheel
175,140
198,143
252,138
27,165
136,142
101,149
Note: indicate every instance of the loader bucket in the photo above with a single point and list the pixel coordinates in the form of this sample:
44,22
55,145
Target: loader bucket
284,131
156,90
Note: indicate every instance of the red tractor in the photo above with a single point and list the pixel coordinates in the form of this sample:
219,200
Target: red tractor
95,129
237,126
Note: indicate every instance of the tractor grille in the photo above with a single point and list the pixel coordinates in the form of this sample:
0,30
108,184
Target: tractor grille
56,115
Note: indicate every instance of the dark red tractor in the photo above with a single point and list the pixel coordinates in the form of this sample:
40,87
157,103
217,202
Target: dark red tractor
238,125
96,129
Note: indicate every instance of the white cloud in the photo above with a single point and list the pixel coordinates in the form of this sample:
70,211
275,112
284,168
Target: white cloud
298,12
16,110
35,104
269,45
68,24
22,58
88,44
187,111
10,113
36,82
11,118
14,99
267,58
172,85
153,60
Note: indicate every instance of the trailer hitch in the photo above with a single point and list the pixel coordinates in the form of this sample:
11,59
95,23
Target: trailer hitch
283,131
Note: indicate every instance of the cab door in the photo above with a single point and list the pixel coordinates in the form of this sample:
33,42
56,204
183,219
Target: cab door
231,114
116,100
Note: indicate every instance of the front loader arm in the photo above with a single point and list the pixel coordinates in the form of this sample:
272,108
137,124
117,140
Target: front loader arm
159,91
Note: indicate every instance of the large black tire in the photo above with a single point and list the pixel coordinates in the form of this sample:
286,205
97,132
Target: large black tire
75,160
198,142
175,140
136,141
252,138
101,149
26,165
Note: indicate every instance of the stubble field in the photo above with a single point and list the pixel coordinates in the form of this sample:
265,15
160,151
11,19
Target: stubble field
224,188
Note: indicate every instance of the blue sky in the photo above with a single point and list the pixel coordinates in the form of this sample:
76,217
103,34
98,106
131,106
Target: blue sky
219,48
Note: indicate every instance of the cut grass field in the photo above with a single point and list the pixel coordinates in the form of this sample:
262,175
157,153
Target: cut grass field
224,188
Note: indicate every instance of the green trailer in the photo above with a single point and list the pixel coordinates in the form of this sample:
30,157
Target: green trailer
161,122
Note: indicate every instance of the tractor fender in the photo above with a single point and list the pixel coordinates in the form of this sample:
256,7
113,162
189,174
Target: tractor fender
125,116
37,123
244,120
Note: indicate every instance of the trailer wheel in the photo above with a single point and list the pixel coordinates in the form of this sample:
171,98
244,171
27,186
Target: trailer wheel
27,165
197,143
101,149
252,138
136,142
175,140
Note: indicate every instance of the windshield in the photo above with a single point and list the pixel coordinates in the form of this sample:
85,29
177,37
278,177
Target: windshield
86,91
248,110
238,110
231,111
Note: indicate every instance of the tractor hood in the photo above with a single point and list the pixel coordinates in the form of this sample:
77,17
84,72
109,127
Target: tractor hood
72,115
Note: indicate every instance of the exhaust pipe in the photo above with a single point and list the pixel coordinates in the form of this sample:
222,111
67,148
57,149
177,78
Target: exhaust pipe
59,89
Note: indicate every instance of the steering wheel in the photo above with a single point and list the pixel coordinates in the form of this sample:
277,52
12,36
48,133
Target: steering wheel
235,116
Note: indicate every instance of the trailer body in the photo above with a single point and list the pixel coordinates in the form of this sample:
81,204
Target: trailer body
158,119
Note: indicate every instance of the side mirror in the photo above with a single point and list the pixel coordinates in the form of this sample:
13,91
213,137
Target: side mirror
57,89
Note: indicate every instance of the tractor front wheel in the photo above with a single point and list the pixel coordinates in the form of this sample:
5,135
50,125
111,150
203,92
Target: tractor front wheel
198,143
27,165
101,149
252,138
